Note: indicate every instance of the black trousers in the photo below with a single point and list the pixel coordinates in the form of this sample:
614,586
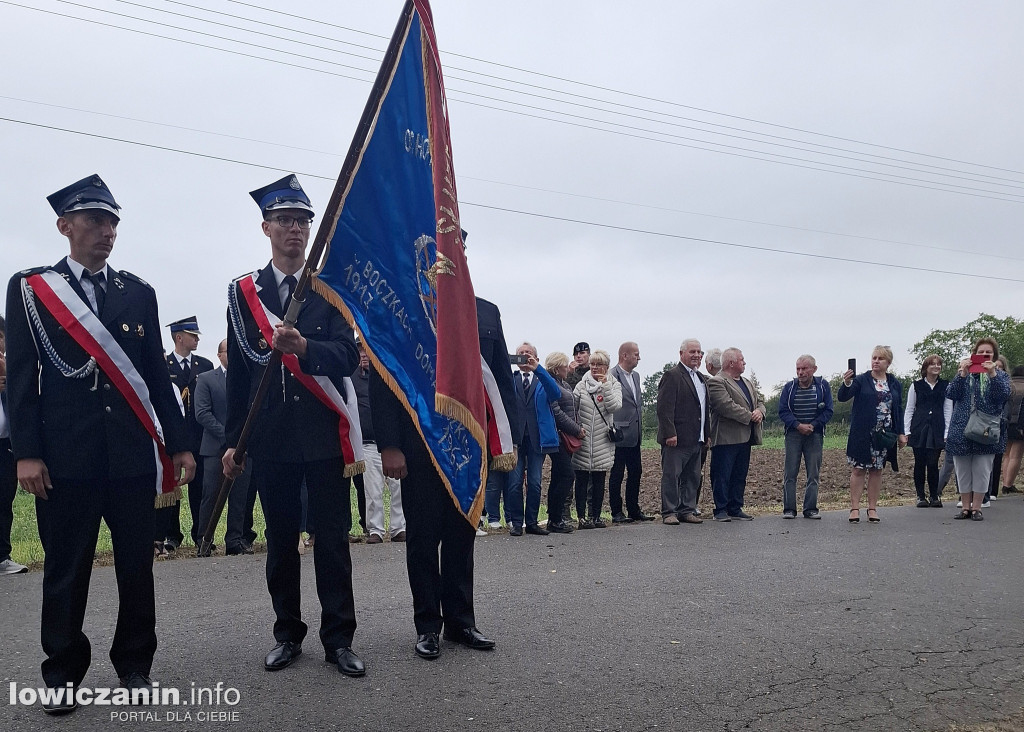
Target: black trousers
69,524
248,534
926,466
594,481
438,551
361,500
627,460
167,524
8,490
195,498
279,485
559,488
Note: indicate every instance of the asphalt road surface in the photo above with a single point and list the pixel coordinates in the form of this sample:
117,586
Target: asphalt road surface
910,624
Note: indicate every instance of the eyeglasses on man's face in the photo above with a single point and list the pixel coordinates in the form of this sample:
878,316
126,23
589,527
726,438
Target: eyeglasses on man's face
286,222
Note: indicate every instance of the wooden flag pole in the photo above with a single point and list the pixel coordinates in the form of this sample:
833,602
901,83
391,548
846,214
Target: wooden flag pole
323,235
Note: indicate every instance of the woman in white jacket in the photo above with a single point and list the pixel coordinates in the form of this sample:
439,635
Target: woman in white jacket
597,399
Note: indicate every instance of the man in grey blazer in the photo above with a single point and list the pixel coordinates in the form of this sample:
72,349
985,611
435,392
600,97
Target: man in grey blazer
683,420
736,415
627,452
211,412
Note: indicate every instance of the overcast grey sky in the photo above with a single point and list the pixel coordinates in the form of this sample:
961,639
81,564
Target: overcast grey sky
934,87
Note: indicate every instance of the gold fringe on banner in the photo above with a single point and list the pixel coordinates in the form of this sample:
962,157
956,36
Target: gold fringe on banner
168,499
477,509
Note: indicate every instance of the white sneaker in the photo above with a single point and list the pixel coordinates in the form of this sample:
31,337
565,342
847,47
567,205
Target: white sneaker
9,566
494,525
992,498
481,532
959,504
986,504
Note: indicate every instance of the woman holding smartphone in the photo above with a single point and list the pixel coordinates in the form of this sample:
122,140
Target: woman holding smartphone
978,385
876,427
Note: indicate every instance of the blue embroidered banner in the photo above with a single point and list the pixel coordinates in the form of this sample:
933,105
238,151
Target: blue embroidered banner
397,265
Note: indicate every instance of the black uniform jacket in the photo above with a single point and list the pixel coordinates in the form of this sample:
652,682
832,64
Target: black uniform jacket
84,428
187,389
292,425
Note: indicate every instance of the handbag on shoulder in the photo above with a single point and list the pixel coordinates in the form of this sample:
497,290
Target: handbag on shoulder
615,434
982,427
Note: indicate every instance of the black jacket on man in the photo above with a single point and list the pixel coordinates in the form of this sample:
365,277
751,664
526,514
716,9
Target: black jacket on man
102,465
295,440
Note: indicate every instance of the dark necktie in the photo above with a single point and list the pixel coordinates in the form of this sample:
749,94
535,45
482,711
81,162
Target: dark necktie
526,383
186,370
290,282
99,293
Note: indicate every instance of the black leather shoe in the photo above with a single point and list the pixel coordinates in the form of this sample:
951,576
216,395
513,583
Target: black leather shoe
561,528
621,518
136,680
347,661
282,656
515,530
536,529
428,646
62,704
469,637
641,517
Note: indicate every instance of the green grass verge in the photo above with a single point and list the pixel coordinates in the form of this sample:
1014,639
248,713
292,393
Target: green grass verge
26,548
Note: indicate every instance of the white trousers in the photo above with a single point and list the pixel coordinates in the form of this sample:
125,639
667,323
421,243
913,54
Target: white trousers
373,486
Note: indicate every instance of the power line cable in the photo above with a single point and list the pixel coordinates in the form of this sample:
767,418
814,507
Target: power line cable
532,188
996,197
754,247
640,96
856,155
536,214
871,174
171,126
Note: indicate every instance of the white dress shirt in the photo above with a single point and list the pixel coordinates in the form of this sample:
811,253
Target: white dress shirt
702,396
87,285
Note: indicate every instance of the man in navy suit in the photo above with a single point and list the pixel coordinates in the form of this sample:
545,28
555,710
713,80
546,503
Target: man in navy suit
296,436
86,386
531,450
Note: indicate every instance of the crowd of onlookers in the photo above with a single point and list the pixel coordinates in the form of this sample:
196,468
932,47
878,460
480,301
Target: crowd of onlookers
586,415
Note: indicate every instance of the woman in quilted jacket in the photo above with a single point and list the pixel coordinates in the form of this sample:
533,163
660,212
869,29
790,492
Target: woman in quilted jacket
598,398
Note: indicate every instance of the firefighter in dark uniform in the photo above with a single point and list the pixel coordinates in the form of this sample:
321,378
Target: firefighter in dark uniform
439,540
184,367
81,447
295,435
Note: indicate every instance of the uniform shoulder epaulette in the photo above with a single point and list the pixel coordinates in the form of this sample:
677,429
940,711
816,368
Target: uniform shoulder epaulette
33,271
171,361
135,278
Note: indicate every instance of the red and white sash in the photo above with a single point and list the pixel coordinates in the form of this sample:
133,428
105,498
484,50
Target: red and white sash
499,433
64,304
321,387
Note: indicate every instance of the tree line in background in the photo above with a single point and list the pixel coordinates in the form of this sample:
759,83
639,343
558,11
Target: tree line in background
951,345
